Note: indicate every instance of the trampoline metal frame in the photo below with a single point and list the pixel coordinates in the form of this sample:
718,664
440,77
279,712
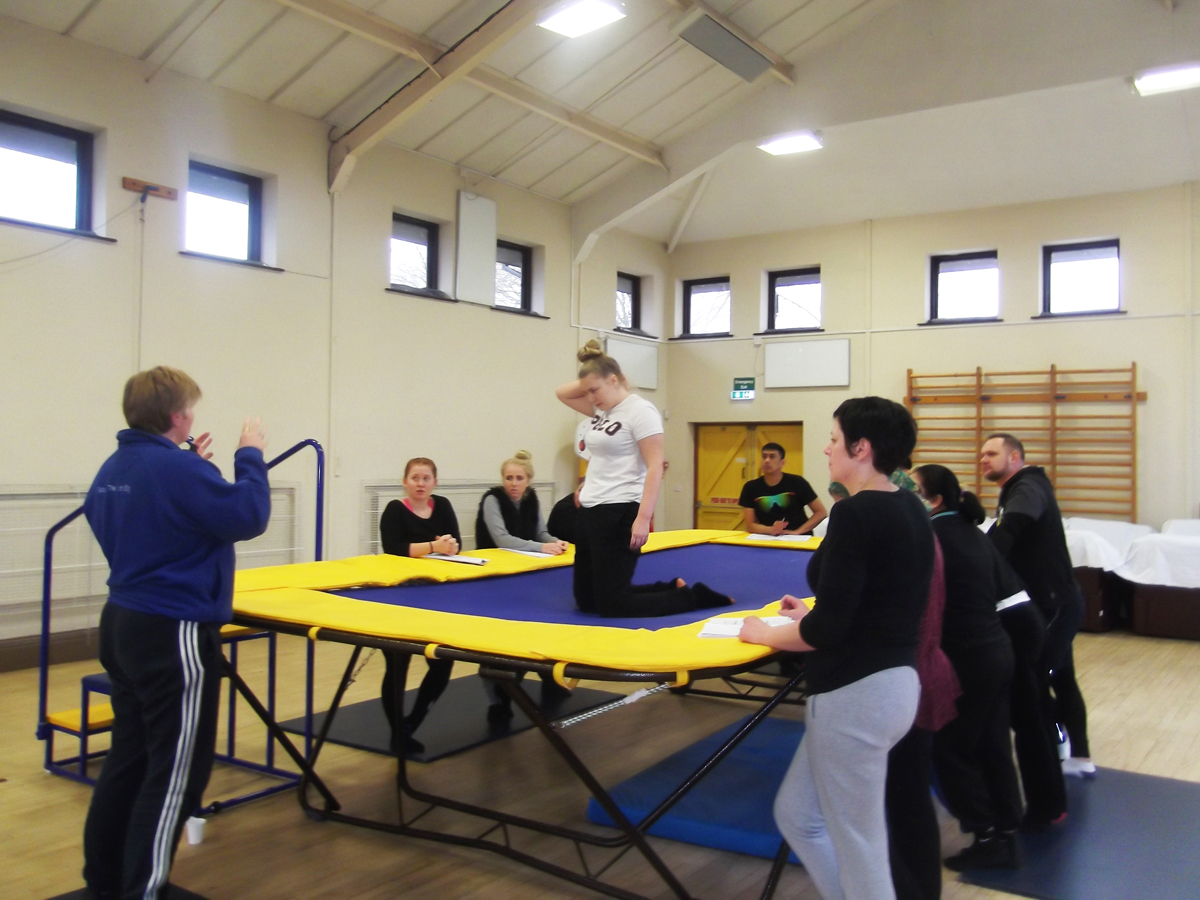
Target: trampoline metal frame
504,670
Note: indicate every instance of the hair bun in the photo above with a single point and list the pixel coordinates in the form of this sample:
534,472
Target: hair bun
523,455
591,350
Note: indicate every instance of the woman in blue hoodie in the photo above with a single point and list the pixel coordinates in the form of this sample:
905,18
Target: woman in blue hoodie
166,521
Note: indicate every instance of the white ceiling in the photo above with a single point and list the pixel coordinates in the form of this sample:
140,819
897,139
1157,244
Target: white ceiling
634,75
924,105
1065,142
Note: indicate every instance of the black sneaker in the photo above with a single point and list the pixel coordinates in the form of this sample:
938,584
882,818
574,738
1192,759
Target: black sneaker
991,850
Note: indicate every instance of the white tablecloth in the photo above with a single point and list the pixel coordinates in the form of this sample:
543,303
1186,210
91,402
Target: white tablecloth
1163,559
1182,527
1119,534
1090,550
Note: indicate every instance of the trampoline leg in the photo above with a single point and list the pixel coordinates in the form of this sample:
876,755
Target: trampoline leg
278,733
776,871
527,706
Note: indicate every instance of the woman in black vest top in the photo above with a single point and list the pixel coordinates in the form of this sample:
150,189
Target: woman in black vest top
510,518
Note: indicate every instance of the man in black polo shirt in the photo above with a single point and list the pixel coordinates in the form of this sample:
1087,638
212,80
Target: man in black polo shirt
1029,534
775,502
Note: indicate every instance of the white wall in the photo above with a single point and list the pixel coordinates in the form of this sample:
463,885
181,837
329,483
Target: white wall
874,276
320,350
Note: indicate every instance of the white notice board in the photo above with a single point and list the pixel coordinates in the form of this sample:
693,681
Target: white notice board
638,360
475,261
807,364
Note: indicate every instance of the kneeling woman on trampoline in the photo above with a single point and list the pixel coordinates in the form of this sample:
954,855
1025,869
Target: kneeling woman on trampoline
625,439
871,579
420,524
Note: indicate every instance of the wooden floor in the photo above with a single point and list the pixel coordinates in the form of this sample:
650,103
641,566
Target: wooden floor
1143,718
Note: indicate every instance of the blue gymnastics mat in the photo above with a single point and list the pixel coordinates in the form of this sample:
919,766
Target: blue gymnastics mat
730,809
1127,836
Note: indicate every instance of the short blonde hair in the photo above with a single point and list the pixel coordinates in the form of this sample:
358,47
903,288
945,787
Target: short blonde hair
594,361
152,396
522,458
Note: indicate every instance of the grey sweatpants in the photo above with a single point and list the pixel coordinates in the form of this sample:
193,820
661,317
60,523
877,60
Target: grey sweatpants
830,805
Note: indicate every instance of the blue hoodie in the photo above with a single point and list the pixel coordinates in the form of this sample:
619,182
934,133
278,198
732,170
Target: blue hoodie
166,521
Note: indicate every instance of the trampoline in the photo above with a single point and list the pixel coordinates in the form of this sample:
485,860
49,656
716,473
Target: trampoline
516,615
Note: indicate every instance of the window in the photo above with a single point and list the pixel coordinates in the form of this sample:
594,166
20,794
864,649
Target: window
629,302
964,286
45,173
794,299
414,253
706,303
514,276
224,213
1081,278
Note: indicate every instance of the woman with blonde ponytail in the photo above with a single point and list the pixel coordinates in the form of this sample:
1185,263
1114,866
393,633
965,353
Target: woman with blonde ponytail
510,517
625,439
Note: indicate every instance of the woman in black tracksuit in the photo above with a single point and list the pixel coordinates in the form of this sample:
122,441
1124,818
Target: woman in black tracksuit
972,755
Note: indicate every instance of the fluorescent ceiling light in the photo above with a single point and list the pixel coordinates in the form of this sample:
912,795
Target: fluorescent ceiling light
800,142
1160,81
582,17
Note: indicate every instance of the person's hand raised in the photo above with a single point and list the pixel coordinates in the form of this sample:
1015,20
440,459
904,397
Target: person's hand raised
253,434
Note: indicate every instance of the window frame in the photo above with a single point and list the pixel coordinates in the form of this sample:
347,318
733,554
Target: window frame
935,263
432,236
1048,251
84,162
772,280
526,277
688,285
635,303
255,225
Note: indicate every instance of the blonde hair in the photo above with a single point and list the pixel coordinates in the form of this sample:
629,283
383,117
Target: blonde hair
522,458
594,361
152,396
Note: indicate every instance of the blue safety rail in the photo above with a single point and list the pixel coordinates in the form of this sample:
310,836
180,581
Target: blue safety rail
75,768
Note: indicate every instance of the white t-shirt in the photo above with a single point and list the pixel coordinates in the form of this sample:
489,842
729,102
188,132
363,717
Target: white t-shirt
616,472
581,431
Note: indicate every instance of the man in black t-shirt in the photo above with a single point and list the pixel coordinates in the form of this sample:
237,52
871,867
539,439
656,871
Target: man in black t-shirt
776,502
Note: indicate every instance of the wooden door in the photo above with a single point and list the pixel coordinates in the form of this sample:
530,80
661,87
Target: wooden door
727,456
723,463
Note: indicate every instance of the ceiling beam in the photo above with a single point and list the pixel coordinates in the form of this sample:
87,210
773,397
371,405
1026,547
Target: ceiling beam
381,31
449,68
687,213
780,67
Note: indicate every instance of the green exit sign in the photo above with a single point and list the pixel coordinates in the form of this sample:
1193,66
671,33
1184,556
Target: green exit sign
743,389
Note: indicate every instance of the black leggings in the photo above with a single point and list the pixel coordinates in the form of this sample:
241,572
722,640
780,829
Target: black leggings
1032,715
914,839
972,755
604,568
1059,660
395,676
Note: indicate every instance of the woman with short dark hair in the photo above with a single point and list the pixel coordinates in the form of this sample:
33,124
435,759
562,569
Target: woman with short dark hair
871,579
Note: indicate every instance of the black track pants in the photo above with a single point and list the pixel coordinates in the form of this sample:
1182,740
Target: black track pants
604,568
166,677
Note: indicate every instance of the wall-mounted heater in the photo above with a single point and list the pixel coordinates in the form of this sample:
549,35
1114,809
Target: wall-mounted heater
713,39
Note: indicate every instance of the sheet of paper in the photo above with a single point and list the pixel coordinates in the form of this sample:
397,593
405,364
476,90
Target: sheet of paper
732,626
534,553
779,537
469,560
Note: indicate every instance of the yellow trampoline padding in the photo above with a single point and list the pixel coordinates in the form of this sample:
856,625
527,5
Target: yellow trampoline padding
743,539
669,650
385,571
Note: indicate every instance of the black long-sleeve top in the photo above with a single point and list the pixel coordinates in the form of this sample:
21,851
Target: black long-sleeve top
1029,534
871,579
399,526
970,620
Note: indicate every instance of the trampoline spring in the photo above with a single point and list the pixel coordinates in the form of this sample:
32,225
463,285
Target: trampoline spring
609,707
362,665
